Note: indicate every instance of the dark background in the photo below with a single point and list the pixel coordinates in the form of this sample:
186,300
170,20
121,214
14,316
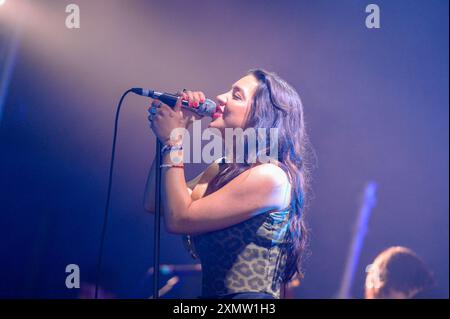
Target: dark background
376,106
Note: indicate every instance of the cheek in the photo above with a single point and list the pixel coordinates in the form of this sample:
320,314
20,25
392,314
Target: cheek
235,117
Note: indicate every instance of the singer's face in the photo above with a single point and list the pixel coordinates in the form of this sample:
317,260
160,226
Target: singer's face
235,104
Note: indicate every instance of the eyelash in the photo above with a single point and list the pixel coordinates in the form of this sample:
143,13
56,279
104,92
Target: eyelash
236,97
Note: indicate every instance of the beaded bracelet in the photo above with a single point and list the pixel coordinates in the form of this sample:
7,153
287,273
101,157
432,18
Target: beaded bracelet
168,148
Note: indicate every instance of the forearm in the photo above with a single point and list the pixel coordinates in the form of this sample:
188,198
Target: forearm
177,199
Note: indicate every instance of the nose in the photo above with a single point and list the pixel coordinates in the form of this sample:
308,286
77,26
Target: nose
221,99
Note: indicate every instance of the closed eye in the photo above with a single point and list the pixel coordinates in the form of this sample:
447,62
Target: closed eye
238,93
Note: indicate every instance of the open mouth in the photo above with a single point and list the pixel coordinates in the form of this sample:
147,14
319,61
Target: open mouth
219,111
217,115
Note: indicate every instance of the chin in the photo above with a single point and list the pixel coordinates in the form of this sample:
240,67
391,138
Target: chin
217,123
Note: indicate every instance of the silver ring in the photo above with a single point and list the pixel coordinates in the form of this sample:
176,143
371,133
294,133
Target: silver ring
156,104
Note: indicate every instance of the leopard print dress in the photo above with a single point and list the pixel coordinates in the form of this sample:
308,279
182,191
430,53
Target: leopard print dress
243,257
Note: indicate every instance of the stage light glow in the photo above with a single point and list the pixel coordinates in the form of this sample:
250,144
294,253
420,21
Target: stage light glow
2,2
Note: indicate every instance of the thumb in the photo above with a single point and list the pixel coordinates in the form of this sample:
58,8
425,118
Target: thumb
177,106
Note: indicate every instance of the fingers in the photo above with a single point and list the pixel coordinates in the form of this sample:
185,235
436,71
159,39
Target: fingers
184,96
177,106
159,109
154,110
190,98
154,106
164,109
202,97
195,98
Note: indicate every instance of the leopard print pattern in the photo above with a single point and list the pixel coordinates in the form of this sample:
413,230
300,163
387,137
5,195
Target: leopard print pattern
243,257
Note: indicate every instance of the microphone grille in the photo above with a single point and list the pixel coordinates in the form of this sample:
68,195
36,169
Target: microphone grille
208,108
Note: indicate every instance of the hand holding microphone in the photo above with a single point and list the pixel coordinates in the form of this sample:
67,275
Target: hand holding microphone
189,105
195,105
200,105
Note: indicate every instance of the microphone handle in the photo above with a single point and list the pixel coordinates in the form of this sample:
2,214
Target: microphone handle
166,98
169,99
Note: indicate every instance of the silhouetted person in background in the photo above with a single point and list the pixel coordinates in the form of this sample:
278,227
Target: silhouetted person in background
398,273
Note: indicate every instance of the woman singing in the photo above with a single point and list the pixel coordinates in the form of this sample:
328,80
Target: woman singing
245,220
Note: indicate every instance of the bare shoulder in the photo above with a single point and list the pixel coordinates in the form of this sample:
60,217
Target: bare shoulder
271,174
271,183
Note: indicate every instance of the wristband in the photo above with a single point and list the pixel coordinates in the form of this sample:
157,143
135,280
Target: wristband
168,148
171,165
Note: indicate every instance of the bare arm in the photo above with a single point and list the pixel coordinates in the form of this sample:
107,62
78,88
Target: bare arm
257,190
150,189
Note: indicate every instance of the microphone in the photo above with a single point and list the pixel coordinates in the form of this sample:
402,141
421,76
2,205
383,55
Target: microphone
208,108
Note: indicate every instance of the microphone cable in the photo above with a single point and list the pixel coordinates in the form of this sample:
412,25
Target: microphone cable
108,196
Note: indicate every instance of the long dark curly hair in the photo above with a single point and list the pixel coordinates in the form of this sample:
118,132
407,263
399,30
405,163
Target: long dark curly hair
276,104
